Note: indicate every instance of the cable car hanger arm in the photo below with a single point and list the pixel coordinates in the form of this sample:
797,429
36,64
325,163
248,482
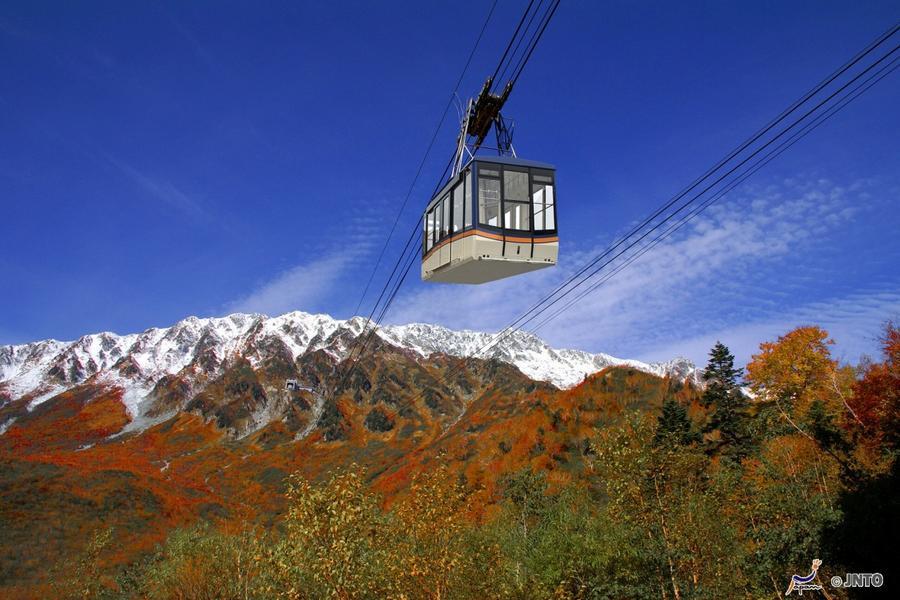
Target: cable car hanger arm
482,113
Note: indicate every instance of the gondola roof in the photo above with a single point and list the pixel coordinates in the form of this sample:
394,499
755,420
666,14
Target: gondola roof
517,162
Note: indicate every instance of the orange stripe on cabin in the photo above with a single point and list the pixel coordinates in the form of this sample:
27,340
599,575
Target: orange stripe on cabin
490,235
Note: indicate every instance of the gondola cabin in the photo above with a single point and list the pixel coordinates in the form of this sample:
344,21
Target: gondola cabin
496,219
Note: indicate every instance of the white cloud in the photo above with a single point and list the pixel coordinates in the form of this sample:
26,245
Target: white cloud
299,287
708,277
855,322
307,286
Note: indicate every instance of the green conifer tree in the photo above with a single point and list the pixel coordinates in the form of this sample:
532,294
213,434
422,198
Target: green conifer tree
673,426
729,404
721,376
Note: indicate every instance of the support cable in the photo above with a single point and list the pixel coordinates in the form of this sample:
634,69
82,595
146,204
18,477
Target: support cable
807,128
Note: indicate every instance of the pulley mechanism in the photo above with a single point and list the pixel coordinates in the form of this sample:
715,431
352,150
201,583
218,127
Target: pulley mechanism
483,113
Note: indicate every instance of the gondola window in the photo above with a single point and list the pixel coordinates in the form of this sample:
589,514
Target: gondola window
488,199
516,212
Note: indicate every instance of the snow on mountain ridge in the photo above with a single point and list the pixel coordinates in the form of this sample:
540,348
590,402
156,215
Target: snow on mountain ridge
47,367
563,368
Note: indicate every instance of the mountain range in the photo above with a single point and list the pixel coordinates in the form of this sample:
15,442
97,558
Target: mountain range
161,370
207,420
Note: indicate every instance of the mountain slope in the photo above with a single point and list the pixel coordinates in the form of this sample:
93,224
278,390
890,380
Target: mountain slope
150,431
160,368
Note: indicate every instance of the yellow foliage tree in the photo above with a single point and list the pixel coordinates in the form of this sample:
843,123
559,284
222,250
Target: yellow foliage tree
795,369
810,391
679,505
202,563
336,541
431,557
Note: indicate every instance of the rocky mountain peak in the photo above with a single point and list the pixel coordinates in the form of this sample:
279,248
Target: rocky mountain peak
194,351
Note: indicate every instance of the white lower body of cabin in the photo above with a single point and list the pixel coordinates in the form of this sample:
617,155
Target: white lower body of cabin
477,258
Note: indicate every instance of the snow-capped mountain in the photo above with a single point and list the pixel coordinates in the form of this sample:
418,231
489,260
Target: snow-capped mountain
139,363
531,355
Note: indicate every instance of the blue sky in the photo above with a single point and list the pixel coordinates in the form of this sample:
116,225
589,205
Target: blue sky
161,160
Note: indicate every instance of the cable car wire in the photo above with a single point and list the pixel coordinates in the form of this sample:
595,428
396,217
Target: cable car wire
494,77
858,91
427,152
419,171
872,80
808,128
760,164
541,306
499,337
728,173
358,348
529,47
513,38
347,371
818,88
521,66
809,95
359,344
368,336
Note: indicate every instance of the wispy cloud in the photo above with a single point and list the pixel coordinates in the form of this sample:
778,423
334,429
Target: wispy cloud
709,277
715,265
854,321
160,189
309,285
200,50
300,287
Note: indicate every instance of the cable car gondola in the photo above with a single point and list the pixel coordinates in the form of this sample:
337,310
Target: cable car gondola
496,216
496,219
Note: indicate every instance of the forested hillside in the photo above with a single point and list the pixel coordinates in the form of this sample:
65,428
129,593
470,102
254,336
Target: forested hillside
628,485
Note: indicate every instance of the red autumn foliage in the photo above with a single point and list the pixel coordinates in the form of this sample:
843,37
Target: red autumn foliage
876,397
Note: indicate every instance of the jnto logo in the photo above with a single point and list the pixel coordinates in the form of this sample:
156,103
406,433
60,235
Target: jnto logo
802,583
